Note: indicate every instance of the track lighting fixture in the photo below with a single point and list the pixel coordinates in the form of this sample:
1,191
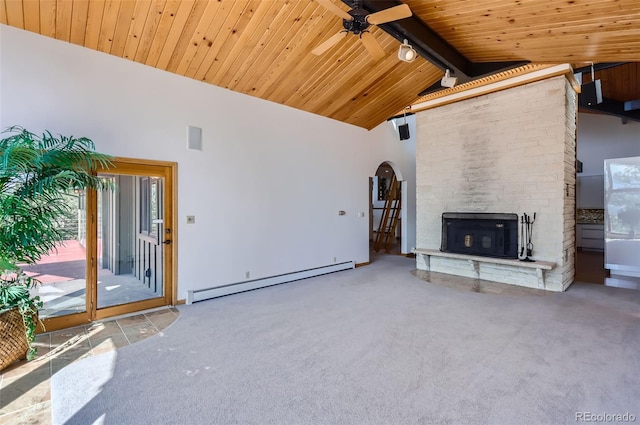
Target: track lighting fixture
403,129
591,93
406,53
448,80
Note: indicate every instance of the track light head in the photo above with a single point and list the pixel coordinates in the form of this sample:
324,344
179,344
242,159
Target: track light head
448,80
406,53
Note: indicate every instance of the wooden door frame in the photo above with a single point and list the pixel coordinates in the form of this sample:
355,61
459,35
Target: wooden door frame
128,166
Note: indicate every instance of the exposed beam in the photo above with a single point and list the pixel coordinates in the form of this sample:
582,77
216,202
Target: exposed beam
598,67
431,46
482,69
408,114
613,107
424,40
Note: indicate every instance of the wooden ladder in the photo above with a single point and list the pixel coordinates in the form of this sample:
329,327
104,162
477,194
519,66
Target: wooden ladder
389,221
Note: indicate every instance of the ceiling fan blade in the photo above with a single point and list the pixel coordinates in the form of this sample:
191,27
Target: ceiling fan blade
333,8
391,14
328,43
372,45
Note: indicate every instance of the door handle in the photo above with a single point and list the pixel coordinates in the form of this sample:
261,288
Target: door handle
167,242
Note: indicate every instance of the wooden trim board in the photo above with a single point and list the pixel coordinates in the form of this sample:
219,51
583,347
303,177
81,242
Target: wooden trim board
544,265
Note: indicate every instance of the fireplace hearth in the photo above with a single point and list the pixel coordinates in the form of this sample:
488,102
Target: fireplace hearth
484,234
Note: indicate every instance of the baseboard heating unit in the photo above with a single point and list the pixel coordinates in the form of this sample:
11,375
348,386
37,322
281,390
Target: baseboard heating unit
234,288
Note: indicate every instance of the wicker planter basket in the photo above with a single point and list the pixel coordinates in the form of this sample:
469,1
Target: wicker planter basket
13,338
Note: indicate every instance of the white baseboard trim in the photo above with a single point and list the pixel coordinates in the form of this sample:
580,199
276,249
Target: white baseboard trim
234,288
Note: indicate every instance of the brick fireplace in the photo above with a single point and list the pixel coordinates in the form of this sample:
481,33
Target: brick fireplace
509,151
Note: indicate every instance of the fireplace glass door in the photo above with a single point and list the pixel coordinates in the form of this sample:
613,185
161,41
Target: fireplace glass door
484,234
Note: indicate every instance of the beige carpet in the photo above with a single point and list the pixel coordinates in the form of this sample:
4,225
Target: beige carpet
375,345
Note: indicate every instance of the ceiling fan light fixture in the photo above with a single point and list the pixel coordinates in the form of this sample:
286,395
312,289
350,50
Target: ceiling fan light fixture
406,53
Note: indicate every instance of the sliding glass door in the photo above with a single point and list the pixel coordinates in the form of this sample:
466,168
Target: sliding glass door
118,256
63,272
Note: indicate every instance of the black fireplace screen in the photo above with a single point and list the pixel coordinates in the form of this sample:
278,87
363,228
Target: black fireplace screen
485,234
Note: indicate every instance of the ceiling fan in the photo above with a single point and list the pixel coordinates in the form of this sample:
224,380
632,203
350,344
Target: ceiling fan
357,21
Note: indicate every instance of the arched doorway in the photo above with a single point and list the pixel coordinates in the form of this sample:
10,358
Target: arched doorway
387,190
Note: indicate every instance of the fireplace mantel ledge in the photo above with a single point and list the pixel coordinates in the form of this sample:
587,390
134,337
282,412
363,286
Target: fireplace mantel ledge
475,260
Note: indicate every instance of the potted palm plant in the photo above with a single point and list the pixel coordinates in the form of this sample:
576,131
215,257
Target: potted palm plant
18,314
35,173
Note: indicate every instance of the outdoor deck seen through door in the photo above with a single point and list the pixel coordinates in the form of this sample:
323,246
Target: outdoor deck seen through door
131,233
63,272
118,257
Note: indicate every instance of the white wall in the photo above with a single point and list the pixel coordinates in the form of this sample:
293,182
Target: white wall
602,137
265,190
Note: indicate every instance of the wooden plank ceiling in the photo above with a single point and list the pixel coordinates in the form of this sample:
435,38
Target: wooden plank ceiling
262,47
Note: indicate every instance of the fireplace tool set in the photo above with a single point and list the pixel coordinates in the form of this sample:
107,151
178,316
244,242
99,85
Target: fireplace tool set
526,231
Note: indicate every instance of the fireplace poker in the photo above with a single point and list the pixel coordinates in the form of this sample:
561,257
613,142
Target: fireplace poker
530,234
526,230
522,236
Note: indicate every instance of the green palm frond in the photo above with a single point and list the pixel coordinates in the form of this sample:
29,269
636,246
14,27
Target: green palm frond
35,172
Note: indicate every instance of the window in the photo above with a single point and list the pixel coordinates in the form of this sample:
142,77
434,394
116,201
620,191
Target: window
622,194
149,205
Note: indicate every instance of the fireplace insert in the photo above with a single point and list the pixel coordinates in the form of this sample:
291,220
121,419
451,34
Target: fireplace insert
484,234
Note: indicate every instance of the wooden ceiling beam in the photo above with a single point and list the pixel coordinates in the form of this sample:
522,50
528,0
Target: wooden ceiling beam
431,46
613,107
597,67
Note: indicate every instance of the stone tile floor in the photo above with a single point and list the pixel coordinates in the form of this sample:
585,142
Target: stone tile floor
25,395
